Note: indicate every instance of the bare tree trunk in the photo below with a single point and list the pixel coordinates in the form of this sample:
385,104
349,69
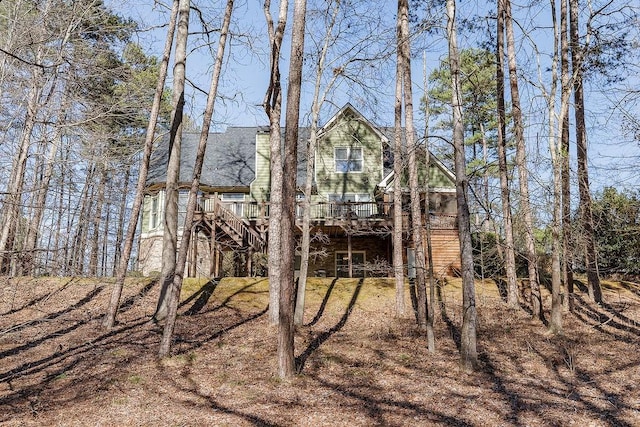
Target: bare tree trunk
273,109
510,259
593,278
521,160
106,244
567,250
72,215
170,236
555,148
65,257
404,62
116,293
167,335
468,350
96,220
398,154
286,329
122,213
29,266
15,185
318,100
78,250
431,340
57,258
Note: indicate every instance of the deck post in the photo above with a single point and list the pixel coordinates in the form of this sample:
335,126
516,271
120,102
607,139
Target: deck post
249,266
193,256
214,269
349,254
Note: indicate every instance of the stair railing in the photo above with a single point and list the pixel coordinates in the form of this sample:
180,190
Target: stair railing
236,223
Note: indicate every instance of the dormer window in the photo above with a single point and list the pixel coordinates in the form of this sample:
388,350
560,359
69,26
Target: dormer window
348,159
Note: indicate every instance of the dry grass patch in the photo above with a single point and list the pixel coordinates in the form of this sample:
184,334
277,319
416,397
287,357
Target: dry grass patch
359,364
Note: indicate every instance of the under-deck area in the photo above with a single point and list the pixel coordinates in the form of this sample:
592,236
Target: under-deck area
349,239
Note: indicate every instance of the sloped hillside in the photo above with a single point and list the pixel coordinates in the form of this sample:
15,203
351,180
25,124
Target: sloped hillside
360,366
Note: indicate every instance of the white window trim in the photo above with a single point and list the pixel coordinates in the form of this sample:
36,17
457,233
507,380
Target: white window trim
155,212
348,159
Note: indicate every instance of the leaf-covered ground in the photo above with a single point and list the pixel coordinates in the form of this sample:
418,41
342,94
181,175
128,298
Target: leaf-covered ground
360,365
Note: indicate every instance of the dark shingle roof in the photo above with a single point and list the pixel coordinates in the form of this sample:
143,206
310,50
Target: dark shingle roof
229,159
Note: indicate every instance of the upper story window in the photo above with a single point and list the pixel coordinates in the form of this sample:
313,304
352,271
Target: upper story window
348,159
154,212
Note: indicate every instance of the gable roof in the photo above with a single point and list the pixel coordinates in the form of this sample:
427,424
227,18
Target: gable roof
232,152
230,157
229,162
349,109
387,182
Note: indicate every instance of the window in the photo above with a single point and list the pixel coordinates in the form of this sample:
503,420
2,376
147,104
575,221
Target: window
154,212
348,159
299,205
349,197
357,264
183,198
234,202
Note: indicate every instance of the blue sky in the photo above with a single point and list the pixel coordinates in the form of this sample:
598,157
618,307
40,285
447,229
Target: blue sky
613,155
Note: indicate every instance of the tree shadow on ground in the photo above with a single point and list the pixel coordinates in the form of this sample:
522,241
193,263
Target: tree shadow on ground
563,356
186,342
580,286
454,331
64,360
243,290
377,405
500,386
39,299
201,297
198,340
130,301
33,367
208,402
69,350
324,336
323,305
31,344
202,293
631,287
502,288
605,318
253,419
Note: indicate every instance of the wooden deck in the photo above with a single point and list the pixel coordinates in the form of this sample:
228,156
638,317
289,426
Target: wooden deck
329,214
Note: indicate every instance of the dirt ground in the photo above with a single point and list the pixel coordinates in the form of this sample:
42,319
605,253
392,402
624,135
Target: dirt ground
360,366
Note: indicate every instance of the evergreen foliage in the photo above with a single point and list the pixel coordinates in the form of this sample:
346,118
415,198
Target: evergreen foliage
616,216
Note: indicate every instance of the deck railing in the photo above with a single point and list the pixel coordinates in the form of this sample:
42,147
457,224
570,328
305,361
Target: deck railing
371,211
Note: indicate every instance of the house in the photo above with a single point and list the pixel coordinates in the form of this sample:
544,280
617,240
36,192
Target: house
351,203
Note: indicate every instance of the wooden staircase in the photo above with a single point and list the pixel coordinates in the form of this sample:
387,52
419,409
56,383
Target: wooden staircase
233,227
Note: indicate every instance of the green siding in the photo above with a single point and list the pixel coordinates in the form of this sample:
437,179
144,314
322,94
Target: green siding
260,186
437,177
349,133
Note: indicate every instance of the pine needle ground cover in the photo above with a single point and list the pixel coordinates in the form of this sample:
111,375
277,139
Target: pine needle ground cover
359,365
